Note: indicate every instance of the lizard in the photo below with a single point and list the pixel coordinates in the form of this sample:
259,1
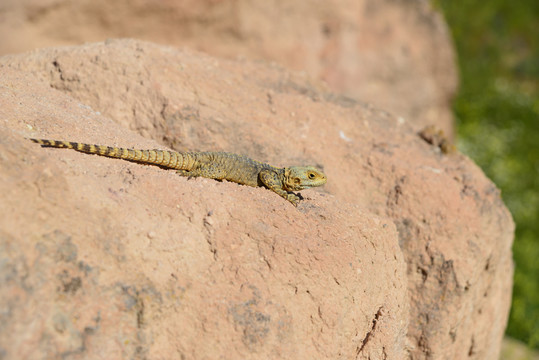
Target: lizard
214,165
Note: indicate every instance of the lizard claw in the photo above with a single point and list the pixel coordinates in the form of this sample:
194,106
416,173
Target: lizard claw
293,198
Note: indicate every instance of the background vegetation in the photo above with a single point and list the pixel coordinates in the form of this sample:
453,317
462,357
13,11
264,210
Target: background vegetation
497,112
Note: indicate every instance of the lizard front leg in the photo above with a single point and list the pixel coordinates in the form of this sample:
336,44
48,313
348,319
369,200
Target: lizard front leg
272,182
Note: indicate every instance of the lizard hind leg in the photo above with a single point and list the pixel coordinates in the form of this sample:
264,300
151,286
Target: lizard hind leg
210,172
188,174
185,173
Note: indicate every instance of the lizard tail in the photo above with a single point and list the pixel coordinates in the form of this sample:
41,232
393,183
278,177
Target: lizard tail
164,158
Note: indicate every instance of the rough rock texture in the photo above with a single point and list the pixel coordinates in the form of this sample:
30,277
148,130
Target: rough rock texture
405,253
394,54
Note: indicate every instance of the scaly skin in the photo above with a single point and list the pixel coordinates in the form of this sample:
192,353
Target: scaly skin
214,165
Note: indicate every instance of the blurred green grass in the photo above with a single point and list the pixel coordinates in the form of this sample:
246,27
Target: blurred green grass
497,114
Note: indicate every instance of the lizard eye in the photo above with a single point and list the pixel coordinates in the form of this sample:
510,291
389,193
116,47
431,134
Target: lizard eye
311,176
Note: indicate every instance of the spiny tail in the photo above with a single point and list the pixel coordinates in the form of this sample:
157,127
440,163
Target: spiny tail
163,158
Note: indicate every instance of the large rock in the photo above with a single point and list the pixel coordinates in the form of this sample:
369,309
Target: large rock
404,253
395,54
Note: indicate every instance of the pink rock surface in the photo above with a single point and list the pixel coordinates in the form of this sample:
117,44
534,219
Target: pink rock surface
395,54
405,253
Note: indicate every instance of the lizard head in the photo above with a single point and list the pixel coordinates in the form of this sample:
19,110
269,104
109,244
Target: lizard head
303,177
